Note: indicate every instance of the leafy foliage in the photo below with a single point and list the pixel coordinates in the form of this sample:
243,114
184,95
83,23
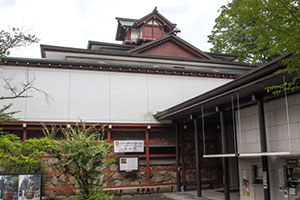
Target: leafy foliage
6,116
94,195
14,38
83,155
259,30
22,157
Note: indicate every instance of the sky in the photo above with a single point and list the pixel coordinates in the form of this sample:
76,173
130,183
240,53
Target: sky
72,23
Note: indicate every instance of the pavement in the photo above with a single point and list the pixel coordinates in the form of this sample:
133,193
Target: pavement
187,195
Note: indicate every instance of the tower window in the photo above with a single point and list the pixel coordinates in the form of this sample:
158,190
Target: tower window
152,31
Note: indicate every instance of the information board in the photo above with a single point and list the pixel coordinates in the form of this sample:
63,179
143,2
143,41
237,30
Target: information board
20,186
123,146
128,164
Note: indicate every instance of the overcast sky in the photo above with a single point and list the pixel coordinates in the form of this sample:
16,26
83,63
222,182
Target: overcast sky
72,23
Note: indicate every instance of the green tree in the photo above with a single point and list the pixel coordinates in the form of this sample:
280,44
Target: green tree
22,157
14,38
259,30
83,155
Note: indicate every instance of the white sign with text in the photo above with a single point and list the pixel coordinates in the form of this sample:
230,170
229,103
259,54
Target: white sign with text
129,164
123,146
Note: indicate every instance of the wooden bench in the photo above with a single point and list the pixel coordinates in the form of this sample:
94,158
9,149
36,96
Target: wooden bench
141,189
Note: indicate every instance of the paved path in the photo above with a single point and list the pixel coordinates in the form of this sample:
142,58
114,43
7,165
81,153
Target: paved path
189,195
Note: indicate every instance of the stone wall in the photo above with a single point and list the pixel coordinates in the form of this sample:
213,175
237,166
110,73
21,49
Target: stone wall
162,170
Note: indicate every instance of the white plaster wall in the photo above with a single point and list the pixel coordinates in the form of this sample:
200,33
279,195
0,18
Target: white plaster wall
93,96
134,34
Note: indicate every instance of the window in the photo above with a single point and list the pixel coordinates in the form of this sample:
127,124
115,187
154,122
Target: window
257,174
152,31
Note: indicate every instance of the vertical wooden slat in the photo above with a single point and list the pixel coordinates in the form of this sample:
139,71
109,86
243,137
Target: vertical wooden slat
147,157
67,186
182,159
24,134
108,156
197,154
177,157
225,160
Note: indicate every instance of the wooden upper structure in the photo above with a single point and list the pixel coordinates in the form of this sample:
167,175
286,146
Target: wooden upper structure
150,27
151,41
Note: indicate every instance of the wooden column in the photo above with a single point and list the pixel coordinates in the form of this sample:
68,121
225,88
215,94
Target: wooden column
177,157
24,132
182,159
147,157
197,152
264,148
224,159
108,155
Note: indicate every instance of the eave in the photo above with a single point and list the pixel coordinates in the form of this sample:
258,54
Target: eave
109,67
242,89
50,48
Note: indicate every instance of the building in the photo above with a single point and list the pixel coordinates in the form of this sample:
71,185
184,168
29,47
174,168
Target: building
147,89
260,131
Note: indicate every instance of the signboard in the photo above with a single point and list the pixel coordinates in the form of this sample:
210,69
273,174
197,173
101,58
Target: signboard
20,186
128,164
246,190
123,146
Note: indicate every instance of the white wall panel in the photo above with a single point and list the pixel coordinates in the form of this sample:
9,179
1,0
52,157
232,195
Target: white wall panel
16,76
164,92
100,96
89,96
134,33
219,82
128,97
193,86
56,84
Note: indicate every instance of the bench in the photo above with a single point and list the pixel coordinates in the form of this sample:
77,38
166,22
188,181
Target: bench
141,189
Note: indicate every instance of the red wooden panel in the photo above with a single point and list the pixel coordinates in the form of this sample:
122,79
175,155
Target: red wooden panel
170,48
147,31
157,32
128,35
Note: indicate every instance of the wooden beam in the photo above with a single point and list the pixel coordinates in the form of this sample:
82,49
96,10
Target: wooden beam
264,148
147,157
197,152
177,157
225,160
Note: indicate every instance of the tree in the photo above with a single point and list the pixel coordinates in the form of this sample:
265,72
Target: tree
8,40
83,155
13,39
22,157
259,30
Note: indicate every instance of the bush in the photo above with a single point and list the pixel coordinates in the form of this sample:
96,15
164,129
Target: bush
95,195
22,157
83,155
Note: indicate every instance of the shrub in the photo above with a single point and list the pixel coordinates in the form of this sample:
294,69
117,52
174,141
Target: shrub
22,157
83,155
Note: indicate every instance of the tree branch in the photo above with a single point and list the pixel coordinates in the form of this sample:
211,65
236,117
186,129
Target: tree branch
15,93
